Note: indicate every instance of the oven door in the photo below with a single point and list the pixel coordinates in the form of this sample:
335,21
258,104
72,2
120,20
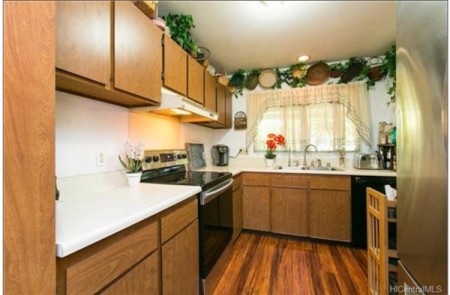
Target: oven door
216,225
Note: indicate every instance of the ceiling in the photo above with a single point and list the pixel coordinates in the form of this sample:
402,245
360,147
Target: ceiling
251,34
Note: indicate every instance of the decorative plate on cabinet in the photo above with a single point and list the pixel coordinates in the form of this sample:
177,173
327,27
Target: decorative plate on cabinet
267,78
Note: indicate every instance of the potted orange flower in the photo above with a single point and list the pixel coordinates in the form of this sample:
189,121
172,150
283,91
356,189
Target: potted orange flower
273,140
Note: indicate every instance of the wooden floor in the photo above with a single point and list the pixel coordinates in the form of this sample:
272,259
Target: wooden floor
263,264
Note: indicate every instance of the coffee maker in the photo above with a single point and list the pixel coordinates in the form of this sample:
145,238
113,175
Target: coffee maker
220,155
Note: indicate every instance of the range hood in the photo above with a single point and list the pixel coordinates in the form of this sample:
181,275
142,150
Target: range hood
173,104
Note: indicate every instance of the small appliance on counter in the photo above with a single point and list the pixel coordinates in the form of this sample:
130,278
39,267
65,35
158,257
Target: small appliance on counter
367,161
220,154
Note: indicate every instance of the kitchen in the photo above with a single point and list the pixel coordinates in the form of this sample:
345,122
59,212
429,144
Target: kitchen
87,135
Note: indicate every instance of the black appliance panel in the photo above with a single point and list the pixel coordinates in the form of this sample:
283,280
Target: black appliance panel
358,204
216,229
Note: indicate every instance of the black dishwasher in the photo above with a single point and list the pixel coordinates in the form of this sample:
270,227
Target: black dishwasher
359,221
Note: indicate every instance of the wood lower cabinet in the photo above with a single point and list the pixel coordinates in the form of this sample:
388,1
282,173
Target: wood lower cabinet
330,215
256,202
142,279
137,260
298,204
175,66
329,207
289,211
196,81
137,52
180,267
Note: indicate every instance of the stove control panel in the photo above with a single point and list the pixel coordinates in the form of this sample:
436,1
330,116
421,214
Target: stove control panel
154,159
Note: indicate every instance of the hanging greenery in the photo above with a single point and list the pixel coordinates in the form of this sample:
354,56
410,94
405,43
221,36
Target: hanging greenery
389,68
354,69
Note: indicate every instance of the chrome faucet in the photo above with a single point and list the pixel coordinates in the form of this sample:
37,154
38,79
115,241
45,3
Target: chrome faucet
289,157
304,153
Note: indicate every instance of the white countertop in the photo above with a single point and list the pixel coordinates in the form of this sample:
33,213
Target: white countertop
93,215
237,168
86,219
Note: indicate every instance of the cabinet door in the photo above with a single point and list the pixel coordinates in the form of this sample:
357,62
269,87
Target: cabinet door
256,208
210,91
175,66
180,262
142,279
137,52
289,211
220,103
237,212
329,215
83,39
195,80
228,108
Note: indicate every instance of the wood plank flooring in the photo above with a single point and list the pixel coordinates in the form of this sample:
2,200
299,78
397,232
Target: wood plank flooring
267,264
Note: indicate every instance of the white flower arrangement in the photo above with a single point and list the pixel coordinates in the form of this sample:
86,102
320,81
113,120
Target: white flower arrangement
134,154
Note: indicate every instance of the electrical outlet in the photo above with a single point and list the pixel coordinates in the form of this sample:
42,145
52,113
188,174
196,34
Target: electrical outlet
243,151
101,158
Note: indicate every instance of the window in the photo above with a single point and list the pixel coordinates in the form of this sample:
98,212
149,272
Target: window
332,117
323,124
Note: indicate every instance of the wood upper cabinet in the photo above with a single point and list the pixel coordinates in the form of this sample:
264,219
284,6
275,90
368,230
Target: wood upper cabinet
256,202
175,66
195,81
137,52
210,91
220,103
83,39
180,262
126,72
228,108
142,279
289,211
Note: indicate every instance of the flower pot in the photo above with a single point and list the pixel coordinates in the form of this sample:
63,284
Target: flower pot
270,162
134,178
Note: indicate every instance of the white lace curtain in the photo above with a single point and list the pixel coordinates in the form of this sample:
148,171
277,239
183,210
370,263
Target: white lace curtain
352,99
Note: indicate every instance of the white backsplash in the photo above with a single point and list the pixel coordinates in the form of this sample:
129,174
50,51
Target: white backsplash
83,127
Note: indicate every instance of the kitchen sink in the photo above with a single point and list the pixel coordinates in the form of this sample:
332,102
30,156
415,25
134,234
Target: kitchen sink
308,168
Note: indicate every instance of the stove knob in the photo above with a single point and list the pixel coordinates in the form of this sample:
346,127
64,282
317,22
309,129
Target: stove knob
184,156
155,158
148,159
179,156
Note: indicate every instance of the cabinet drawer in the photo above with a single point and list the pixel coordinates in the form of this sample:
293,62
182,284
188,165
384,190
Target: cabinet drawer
176,220
98,270
237,182
331,182
258,179
290,180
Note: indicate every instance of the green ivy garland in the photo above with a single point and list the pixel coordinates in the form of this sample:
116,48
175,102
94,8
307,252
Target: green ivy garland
294,76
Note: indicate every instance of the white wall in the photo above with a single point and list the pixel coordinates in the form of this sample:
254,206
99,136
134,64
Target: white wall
83,127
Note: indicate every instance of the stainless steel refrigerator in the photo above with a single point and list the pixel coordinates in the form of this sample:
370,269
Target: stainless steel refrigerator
422,151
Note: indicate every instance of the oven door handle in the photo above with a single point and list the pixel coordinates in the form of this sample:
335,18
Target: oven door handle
209,196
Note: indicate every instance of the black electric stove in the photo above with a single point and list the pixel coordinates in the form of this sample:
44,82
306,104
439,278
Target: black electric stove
179,175
215,210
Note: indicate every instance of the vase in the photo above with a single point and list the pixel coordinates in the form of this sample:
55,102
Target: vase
134,178
270,162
